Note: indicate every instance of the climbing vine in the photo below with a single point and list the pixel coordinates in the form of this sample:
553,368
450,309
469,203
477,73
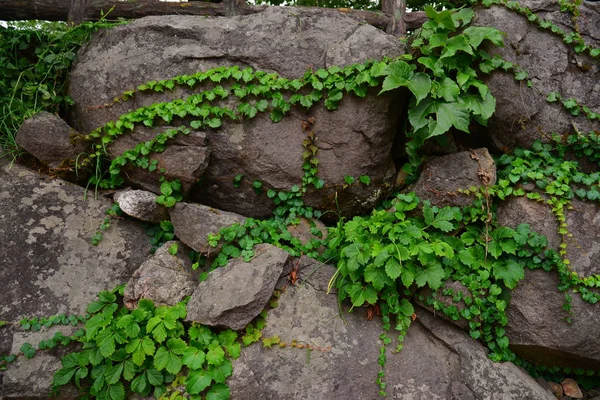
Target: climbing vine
385,260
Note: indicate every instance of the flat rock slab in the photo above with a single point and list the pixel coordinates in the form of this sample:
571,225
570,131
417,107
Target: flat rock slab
438,361
48,264
234,295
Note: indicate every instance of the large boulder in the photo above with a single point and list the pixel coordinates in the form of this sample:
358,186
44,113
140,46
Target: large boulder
522,114
49,265
319,356
354,140
537,326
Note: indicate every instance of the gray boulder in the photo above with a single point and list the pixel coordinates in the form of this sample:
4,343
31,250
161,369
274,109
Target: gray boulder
533,328
354,140
438,361
49,139
142,205
166,278
444,176
234,295
49,264
522,114
194,222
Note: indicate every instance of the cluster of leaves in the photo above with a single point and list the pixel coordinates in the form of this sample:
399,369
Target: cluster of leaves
573,38
573,106
143,350
448,92
385,258
160,234
35,59
114,211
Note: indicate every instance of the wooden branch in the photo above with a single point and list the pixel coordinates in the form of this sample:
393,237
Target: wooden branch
90,10
414,20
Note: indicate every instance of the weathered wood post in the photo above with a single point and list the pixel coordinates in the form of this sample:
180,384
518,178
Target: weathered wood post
396,9
77,12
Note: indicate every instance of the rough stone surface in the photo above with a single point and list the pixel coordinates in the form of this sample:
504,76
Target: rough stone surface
354,140
535,328
234,295
185,158
48,138
142,205
194,222
522,114
443,176
48,264
438,361
302,231
166,278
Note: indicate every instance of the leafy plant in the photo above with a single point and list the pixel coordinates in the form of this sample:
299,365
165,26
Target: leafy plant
143,350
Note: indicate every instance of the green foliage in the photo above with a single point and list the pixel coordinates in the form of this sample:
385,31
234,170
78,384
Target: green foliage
35,59
143,350
113,212
160,234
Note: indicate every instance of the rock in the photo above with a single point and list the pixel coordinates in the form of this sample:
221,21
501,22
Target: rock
141,205
438,361
537,328
443,176
302,231
166,278
354,140
49,139
522,114
194,222
234,295
571,388
186,159
48,264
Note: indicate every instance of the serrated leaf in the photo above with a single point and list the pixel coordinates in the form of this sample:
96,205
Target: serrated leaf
197,381
63,376
221,372
397,75
454,44
478,34
393,269
117,392
510,272
375,276
215,356
193,358
138,385
218,391
448,90
420,86
112,373
406,308
430,275
234,350
449,115
155,377
177,346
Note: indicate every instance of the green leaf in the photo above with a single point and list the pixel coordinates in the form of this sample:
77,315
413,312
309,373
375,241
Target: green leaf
193,358
63,376
113,373
510,272
478,34
454,44
164,359
155,378
117,392
215,356
138,385
432,275
215,123
420,85
393,268
197,381
221,372
449,115
218,391
406,308
448,90
397,75
177,346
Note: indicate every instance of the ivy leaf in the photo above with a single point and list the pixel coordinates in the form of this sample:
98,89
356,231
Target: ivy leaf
221,372
406,308
165,359
397,75
155,378
420,85
454,44
113,373
478,34
432,275
193,358
449,115
393,269
356,254
138,385
117,392
376,276
177,346
63,376
215,356
448,90
197,381
510,272
218,391
443,218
